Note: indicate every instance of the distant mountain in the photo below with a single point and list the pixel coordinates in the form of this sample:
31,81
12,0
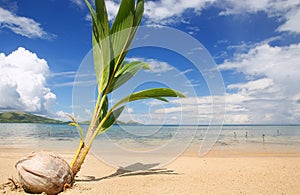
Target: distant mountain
131,122
23,117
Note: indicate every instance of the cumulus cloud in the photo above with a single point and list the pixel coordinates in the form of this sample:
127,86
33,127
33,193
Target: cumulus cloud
200,110
112,9
270,93
273,82
162,12
265,86
130,110
62,114
246,6
292,22
166,11
171,11
280,64
271,7
23,82
156,66
241,107
288,10
21,25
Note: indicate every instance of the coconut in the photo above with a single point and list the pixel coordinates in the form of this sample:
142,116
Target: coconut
44,172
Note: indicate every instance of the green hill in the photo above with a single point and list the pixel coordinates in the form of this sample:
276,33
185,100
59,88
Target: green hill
23,117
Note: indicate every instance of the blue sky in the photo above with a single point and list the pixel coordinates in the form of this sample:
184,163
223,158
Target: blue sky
255,45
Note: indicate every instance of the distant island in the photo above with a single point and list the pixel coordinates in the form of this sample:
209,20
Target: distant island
131,122
23,117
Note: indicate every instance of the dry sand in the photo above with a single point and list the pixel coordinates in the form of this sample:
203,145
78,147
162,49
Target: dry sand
219,172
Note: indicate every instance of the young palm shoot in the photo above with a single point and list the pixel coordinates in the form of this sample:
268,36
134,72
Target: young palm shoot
110,46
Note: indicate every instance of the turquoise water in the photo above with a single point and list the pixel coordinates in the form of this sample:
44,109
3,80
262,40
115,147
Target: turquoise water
125,145
32,135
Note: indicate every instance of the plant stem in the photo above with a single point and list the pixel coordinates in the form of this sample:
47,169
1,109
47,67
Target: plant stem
84,146
82,151
79,158
96,112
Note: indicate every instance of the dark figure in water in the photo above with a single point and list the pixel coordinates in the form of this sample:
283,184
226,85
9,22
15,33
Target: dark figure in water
278,132
246,134
234,134
263,137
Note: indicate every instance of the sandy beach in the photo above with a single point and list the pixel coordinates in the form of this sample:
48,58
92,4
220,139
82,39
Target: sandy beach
219,172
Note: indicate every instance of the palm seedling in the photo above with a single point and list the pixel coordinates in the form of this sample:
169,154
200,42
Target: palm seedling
110,46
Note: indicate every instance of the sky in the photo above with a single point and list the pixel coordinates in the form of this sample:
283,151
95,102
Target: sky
254,45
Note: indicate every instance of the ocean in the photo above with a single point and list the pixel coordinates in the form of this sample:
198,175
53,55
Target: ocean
124,144
28,135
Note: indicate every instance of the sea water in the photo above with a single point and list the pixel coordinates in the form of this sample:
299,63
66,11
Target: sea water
16,135
127,145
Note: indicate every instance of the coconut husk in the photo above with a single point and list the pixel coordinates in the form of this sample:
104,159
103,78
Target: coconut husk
44,172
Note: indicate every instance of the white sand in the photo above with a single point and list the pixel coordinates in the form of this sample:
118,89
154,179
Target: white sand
220,172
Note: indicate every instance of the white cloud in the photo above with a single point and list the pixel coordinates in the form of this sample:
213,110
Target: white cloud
23,82
252,107
130,110
271,93
62,114
171,11
288,10
264,85
199,110
280,64
240,7
21,25
164,11
88,112
292,22
156,66
79,3
112,9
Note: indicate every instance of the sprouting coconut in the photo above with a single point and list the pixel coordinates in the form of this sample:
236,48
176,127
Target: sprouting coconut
45,172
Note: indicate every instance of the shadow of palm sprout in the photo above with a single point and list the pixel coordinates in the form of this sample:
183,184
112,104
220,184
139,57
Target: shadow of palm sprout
135,169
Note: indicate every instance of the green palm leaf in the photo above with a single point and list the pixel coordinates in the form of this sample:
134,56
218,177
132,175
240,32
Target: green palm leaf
121,30
111,119
102,18
131,67
101,43
125,73
156,93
